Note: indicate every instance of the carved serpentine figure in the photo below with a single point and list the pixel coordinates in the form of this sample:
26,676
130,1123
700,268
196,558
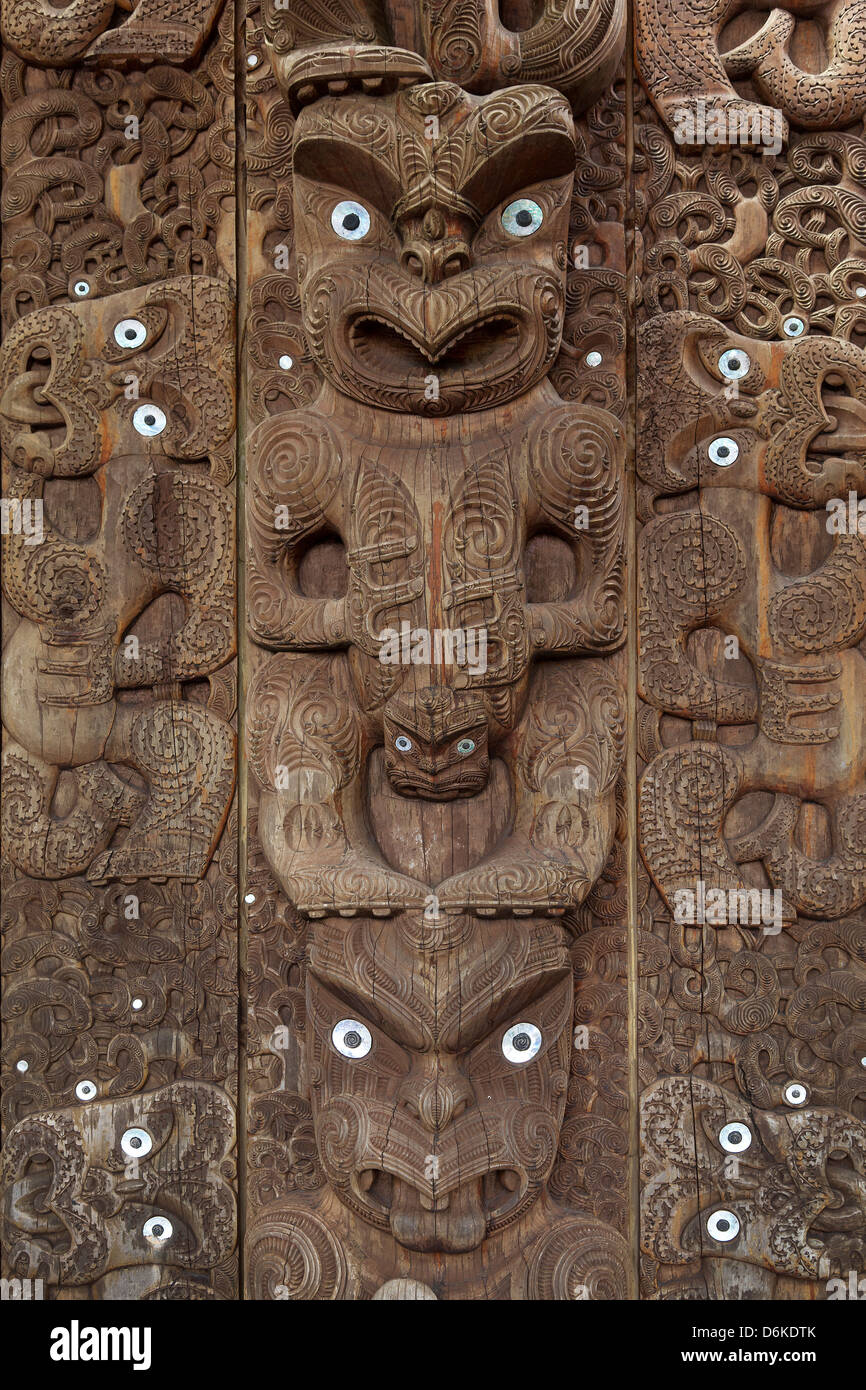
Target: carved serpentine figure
758,427
677,48
127,397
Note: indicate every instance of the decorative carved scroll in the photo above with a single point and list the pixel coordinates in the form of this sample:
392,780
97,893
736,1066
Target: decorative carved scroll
687,65
117,390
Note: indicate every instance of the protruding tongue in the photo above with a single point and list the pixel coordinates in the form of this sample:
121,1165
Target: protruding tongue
457,1224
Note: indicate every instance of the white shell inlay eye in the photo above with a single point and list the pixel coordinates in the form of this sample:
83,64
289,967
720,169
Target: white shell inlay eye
724,451
793,327
403,743
522,217
81,288
521,1043
149,420
136,1143
130,333
594,358
796,1093
157,1230
733,364
735,1137
350,220
723,1225
85,1090
351,1038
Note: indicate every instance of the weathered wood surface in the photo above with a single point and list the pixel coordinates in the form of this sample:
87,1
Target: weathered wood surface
117,416
552,359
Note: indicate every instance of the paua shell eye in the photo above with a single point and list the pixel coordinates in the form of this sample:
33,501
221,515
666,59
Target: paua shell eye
149,420
735,1137
723,1225
465,747
350,220
157,1230
734,364
522,217
403,744
351,1038
130,333
521,1043
136,1143
724,451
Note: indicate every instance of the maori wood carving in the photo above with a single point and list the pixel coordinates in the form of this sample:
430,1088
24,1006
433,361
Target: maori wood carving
117,391
751,430
532,512
436,581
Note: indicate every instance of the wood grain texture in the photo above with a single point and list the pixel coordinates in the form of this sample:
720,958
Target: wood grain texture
117,416
751,617
541,904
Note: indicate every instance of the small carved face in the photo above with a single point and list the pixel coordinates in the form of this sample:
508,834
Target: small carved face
437,1115
146,371
781,418
779,1188
431,237
109,1184
454,764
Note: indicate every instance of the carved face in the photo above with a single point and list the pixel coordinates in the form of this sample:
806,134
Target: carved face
431,241
783,1189
436,745
146,371
436,1114
448,693
111,1184
784,419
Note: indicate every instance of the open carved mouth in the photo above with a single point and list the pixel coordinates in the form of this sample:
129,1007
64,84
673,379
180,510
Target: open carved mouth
467,783
456,1221
387,350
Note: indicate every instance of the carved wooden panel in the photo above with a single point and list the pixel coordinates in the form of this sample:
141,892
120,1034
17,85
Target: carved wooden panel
117,391
435,588
526,959
751,616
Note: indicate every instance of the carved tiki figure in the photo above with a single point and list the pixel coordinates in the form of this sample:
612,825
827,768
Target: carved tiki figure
765,430
431,241
115,407
378,44
432,278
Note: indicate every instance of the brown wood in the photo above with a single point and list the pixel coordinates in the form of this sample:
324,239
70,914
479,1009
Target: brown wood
541,544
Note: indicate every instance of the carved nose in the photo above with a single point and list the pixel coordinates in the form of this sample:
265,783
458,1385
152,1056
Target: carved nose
438,1101
436,262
